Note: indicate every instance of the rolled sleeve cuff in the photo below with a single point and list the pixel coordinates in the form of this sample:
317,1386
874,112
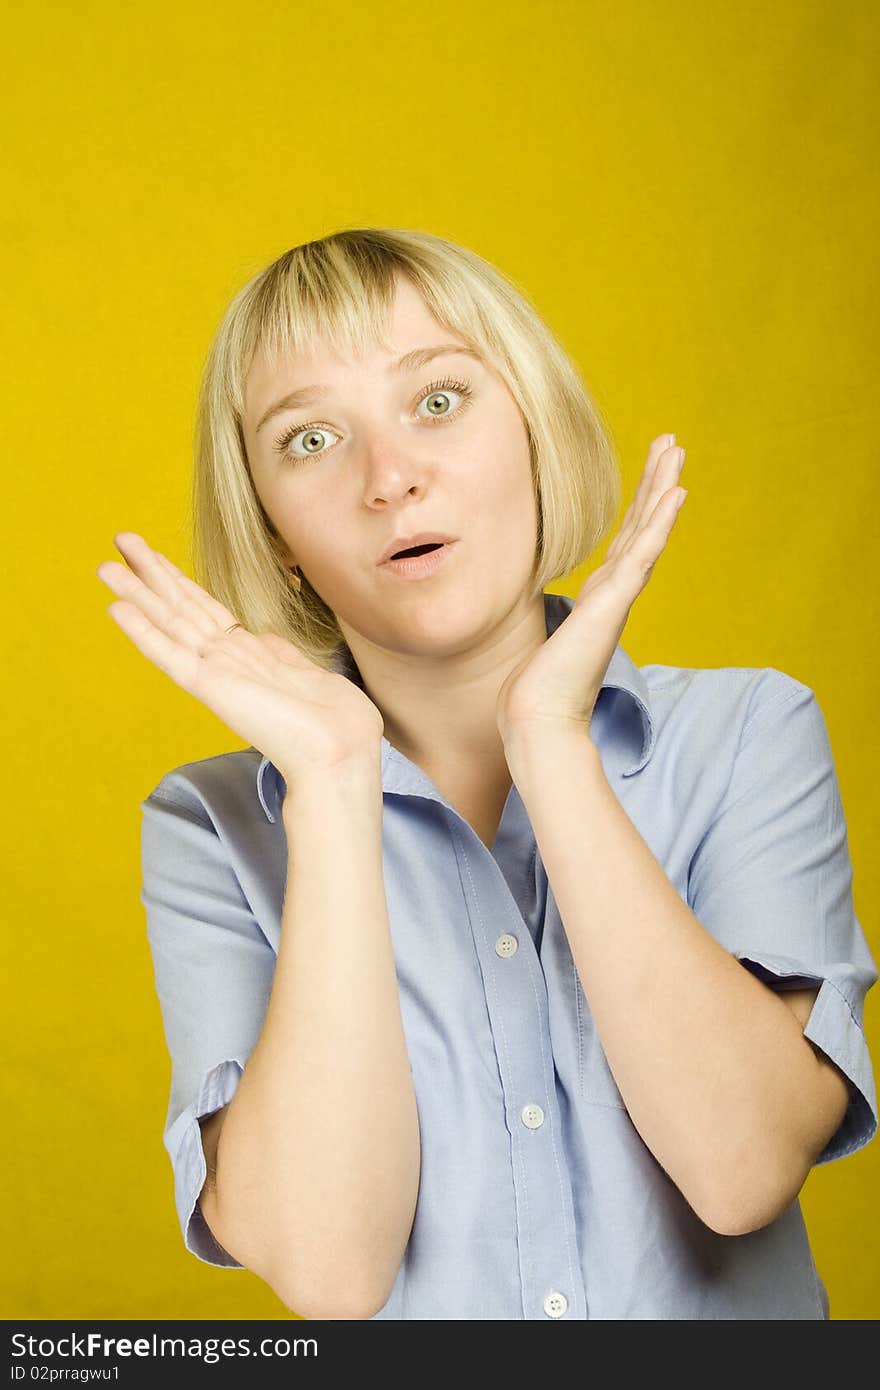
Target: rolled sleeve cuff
184,1144
834,1028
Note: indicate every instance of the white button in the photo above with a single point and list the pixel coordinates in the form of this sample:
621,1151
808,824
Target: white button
555,1304
506,944
532,1115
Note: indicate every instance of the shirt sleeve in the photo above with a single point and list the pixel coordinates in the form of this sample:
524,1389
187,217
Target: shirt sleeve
772,881
213,968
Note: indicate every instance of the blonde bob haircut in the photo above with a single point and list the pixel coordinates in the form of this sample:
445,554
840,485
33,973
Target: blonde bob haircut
340,290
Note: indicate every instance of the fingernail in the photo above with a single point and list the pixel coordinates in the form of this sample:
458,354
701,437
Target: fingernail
681,496
670,440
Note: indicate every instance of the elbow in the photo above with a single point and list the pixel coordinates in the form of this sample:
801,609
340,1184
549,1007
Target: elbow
738,1220
353,1287
341,1294
343,1303
738,1209
345,1296
316,1293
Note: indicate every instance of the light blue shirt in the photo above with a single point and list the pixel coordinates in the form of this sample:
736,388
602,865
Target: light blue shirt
537,1198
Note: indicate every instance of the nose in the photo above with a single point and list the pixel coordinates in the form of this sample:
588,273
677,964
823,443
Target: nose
391,474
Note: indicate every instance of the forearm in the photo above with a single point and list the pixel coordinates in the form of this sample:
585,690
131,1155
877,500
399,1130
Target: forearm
711,1065
318,1160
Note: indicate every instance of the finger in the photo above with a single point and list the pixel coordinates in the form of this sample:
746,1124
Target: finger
178,662
666,472
657,448
200,638
181,621
666,476
212,608
636,564
157,580
184,662
211,618
634,516
166,578
179,618
188,614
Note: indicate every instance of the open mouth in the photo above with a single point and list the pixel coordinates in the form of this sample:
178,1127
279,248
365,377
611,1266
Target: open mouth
418,550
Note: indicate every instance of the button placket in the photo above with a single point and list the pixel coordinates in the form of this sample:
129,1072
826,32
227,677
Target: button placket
517,1004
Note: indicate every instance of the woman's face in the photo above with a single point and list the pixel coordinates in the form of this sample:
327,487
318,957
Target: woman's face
387,454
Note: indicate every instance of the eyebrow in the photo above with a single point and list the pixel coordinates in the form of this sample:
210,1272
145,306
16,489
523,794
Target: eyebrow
409,362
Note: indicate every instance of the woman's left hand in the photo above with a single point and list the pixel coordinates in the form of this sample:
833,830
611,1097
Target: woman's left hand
560,682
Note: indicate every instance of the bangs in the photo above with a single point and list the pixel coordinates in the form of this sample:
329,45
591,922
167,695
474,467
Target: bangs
320,295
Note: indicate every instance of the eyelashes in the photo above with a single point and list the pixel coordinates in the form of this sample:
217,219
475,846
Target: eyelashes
462,388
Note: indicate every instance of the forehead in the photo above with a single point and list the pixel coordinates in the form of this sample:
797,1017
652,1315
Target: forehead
411,324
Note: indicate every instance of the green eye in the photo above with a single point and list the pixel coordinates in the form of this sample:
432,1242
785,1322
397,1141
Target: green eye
441,388
313,431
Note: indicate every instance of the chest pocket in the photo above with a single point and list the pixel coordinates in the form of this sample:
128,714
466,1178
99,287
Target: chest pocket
597,1084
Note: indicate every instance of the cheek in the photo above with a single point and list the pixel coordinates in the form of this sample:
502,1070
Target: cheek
305,514
503,480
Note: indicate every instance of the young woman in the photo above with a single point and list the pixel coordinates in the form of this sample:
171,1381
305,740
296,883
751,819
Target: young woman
501,977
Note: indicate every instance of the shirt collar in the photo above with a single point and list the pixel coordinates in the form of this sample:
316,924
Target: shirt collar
622,714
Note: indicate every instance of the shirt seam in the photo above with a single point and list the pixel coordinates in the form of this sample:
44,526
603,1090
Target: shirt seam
758,718
781,701
181,806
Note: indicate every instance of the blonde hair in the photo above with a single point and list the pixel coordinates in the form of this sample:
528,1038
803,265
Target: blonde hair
340,289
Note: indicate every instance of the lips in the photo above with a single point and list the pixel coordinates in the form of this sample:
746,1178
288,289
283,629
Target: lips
417,550
419,543
430,561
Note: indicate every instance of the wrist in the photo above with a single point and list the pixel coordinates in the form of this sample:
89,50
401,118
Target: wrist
354,778
530,745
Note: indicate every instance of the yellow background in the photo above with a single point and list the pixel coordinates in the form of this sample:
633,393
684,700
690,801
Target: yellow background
686,191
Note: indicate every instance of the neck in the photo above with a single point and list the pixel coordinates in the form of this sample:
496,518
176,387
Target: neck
440,708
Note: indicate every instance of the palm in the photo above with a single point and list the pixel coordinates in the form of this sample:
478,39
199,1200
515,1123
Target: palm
265,689
562,679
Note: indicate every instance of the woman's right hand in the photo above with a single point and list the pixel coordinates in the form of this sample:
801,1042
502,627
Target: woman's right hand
297,714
